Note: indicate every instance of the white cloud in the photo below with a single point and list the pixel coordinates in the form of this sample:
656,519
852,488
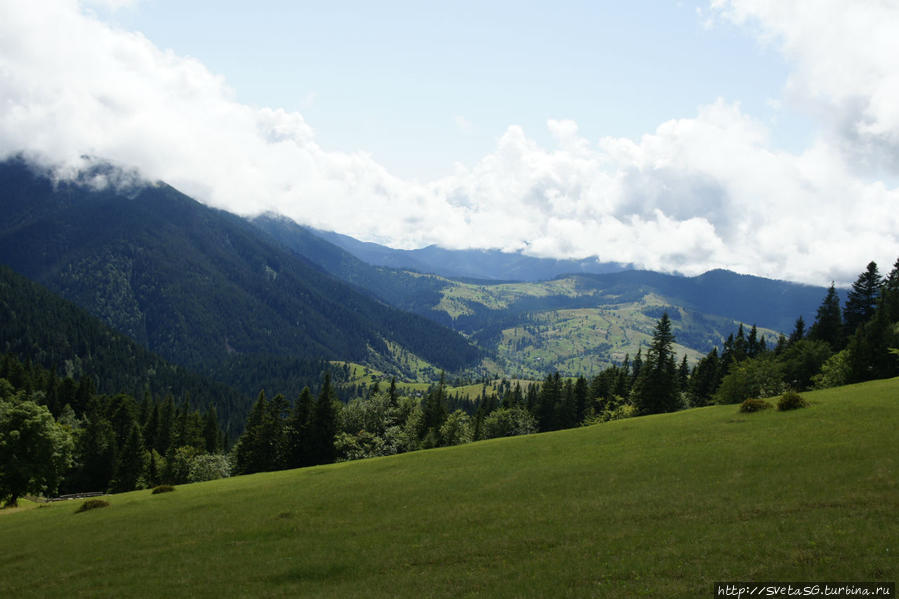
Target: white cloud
844,52
697,193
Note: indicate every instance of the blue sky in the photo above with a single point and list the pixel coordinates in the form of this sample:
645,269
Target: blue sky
422,85
760,136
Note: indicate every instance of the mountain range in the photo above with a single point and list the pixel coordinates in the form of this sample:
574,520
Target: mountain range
241,300
199,286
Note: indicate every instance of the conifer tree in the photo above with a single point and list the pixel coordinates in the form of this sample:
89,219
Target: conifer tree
828,325
683,375
862,299
798,333
548,402
323,427
132,461
211,431
250,451
298,437
704,379
656,388
753,344
580,399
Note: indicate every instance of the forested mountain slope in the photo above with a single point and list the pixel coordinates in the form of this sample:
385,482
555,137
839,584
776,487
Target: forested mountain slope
197,285
39,327
576,323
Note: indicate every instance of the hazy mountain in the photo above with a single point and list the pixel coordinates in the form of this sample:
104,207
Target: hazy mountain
574,322
473,264
197,285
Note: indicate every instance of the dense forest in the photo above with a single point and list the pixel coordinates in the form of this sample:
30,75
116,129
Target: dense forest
194,284
60,435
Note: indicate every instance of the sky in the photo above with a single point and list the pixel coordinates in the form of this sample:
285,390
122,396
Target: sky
760,136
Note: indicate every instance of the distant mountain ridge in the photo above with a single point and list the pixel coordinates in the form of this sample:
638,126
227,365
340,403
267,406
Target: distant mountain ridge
197,285
573,322
469,264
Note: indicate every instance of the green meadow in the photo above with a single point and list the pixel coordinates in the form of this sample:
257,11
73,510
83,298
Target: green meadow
659,506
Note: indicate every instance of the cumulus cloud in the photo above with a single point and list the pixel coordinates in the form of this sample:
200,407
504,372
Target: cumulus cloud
844,53
697,193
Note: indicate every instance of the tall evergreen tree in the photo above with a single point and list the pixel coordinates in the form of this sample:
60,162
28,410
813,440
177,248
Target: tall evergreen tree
250,452
704,379
548,402
862,299
656,388
298,438
323,426
890,294
211,431
798,333
828,325
683,375
580,399
131,463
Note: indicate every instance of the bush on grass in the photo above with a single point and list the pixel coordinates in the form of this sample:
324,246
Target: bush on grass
163,489
92,504
791,401
754,405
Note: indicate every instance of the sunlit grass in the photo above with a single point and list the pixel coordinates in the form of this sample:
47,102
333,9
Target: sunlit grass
660,506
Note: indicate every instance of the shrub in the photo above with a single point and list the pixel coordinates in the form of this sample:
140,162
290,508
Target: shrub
790,401
163,489
92,504
754,405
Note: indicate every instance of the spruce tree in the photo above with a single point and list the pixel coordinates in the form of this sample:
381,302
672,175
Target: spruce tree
211,431
656,388
298,438
131,462
828,325
250,447
862,299
798,333
323,427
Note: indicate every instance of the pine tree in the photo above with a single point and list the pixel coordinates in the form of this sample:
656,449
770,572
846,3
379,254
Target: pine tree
704,379
166,425
798,333
862,299
298,438
656,388
434,407
323,426
548,402
828,325
131,462
753,344
890,294
580,399
250,447
211,431
683,375
741,347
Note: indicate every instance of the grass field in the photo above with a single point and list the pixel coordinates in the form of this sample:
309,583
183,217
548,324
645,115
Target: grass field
660,506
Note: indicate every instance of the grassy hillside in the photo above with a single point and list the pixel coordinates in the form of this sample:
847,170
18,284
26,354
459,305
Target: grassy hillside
660,506
575,327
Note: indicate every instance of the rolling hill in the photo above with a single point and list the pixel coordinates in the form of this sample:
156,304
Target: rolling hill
577,323
657,506
201,287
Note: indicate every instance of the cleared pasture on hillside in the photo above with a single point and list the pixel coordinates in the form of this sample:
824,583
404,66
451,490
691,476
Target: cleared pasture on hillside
660,506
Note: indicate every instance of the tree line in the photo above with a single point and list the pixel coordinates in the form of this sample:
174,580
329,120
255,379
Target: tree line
59,435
